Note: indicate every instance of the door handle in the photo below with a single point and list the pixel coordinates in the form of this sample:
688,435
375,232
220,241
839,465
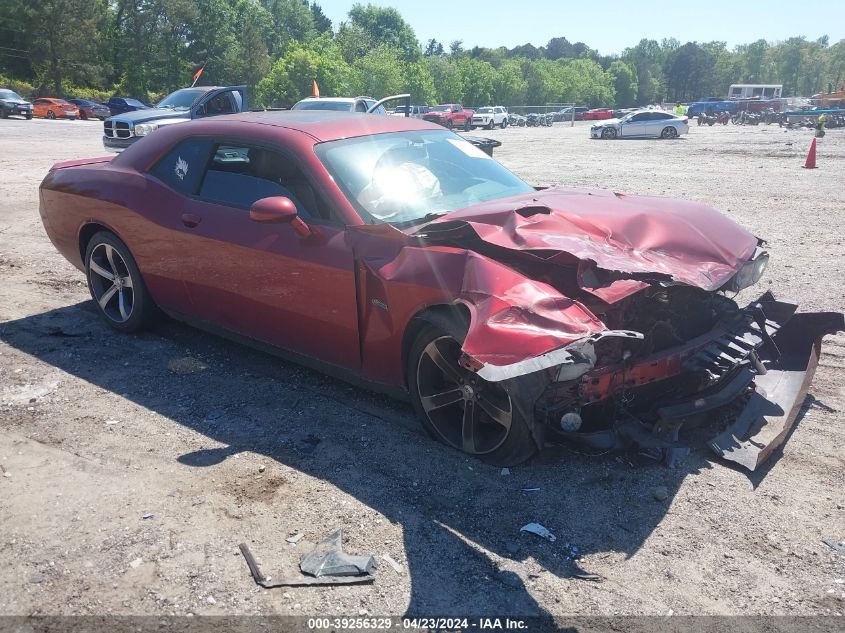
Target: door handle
191,219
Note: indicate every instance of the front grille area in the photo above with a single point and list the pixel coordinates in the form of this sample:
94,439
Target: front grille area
117,129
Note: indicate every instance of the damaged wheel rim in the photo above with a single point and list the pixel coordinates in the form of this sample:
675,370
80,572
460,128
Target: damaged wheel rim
467,412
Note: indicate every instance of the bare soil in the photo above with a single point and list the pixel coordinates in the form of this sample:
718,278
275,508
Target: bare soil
221,444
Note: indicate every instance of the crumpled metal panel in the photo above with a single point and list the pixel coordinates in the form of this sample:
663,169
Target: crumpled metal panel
512,317
685,241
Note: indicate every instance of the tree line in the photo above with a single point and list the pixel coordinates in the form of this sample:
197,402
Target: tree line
147,48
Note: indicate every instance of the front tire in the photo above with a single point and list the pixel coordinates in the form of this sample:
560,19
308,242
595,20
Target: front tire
468,126
116,285
51,115
609,133
449,124
459,408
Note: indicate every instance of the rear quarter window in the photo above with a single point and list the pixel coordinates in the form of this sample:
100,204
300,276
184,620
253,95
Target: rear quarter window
183,166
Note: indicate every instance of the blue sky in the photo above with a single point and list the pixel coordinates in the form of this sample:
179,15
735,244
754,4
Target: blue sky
610,25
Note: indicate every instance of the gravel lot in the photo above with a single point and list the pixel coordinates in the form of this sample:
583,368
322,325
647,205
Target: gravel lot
221,444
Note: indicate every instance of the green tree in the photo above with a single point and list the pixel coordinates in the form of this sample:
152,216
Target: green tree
625,83
448,81
509,85
477,80
386,27
291,77
321,22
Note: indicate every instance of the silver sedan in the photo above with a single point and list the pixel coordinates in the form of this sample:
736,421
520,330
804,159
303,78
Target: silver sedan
642,123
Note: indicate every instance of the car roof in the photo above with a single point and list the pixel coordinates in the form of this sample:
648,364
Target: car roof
338,99
324,125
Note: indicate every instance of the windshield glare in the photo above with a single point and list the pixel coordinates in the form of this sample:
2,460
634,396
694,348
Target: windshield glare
485,110
441,108
338,106
8,94
181,99
403,177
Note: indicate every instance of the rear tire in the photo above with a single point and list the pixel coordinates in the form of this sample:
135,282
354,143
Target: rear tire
116,285
669,132
457,407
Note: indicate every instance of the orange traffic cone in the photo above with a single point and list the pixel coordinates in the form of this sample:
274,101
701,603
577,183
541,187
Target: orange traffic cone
811,156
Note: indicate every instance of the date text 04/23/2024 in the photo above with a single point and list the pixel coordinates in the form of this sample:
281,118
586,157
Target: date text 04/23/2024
420,624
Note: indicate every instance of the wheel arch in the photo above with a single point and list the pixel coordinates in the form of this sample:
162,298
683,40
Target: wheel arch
89,230
430,315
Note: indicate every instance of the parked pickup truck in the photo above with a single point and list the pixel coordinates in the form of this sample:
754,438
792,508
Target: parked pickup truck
120,131
450,115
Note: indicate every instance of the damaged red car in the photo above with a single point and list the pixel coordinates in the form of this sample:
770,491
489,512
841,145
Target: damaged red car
391,252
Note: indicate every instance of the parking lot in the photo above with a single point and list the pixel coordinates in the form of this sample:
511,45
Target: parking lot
133,466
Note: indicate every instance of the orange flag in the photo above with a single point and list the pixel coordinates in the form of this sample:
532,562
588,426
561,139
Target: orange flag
198,73
315,89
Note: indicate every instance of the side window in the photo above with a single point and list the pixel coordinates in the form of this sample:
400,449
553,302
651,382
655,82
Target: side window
182,167
659,116
219,104
643,116
238,175
361,106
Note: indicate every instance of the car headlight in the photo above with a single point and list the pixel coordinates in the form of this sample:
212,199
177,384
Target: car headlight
142,129
750,273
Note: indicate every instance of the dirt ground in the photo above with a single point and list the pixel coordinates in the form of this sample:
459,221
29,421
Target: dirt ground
133,466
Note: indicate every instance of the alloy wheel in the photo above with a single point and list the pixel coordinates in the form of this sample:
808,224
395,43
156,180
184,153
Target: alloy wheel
467,412
111,283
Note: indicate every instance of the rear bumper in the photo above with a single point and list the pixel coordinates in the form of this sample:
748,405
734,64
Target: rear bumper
750,379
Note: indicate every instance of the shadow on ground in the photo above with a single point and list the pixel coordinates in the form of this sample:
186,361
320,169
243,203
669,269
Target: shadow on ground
453,510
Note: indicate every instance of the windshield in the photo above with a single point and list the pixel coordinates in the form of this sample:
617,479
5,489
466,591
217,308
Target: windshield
406,177
8,94
309,104
485,110
181,99
443,108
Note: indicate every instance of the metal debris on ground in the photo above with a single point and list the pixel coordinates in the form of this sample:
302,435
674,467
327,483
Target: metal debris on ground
389,560
148,515
326,564
539,530
839,548
587,576
531,489
293,540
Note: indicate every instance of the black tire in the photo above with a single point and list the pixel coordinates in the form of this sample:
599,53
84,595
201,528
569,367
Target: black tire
609,133
83,116
505,123
468,125
50,115
491,125
130,308
450,123
490,441
669,132
28,117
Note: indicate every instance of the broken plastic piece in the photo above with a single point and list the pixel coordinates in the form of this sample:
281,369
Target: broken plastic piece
328,559
327,550
539,530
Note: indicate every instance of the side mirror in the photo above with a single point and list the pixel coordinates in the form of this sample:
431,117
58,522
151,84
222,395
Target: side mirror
278,210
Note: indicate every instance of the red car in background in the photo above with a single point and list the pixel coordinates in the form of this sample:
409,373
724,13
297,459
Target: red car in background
596,114
390,251
450,115
48,108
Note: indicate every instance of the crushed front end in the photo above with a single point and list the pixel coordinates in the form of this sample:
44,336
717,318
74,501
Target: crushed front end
705,370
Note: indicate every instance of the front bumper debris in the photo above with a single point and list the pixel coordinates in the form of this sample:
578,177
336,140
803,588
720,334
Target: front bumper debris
752,375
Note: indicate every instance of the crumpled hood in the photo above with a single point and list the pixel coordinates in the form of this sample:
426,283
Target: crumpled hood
686,242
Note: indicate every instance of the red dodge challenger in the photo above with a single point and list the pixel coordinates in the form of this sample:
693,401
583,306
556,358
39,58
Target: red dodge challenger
392,252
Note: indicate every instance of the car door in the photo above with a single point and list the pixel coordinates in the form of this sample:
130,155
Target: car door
38,108
221,101
267,281
653,124
635,126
